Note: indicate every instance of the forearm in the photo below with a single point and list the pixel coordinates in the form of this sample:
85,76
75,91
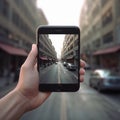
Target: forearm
12,106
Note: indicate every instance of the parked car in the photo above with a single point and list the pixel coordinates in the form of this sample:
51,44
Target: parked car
56,62
71,66
65,64
103,79
87,67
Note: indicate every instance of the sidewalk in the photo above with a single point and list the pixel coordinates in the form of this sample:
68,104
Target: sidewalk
7,89
6,85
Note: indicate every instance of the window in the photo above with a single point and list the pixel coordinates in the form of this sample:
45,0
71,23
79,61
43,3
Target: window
107,18
107,38
104,2
96,43
4,8
95,11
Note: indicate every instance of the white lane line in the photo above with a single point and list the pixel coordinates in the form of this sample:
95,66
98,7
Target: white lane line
75,76
63,113
63,68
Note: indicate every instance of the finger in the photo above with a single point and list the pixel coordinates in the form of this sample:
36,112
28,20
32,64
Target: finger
81,78
82,63
31,59
82,71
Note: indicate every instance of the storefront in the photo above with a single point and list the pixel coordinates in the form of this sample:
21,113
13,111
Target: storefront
11,59
108,58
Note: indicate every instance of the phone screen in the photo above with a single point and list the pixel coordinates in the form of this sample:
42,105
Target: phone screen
58,58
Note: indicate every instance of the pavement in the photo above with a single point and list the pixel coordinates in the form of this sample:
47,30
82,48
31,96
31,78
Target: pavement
6,85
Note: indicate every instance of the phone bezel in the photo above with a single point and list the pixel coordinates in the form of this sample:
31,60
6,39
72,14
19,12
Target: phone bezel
59,30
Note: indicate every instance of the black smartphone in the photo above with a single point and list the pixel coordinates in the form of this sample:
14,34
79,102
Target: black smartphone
58,58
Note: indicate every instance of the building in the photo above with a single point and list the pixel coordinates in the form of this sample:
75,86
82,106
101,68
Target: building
70,49
47,51
19,20
100,33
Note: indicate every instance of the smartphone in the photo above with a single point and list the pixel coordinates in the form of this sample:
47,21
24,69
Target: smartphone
58,58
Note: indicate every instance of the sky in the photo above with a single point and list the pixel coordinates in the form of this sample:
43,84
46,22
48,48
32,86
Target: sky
61,12
57,41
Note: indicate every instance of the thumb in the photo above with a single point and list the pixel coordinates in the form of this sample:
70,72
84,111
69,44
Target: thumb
31,59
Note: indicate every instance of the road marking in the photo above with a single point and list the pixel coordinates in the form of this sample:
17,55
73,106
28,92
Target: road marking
63,112
75,76
59,81
63,68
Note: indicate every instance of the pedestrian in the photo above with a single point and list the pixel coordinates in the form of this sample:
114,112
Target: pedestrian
26,95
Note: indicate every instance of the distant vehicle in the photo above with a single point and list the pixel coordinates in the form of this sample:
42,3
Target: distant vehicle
103,79
56,62
87,67
65,64
71,66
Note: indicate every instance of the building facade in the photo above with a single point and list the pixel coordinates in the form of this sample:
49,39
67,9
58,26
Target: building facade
47,51
19,20
70,49
100,33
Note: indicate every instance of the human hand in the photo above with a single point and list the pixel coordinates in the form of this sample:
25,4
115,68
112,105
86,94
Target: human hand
28,85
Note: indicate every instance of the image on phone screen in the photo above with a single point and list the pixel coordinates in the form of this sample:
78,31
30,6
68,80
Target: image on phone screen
58,58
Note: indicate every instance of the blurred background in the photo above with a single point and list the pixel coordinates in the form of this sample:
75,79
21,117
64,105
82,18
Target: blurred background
99,22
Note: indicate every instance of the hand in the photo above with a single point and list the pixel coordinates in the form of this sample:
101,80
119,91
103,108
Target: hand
28,85
82,71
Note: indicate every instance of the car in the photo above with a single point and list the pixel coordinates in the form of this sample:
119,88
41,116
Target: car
87,67
65,64
104,79
71,66
56,62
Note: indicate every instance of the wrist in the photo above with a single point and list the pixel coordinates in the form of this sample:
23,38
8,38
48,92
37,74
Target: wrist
22,100
15,106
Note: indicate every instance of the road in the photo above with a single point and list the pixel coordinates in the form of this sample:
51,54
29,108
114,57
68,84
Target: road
57,73
86,104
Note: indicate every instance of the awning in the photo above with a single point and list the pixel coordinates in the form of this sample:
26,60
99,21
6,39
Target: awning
13,50
107,51
43,58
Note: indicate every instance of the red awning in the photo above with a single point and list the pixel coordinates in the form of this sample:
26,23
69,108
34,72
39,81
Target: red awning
107,51
13,50
43,58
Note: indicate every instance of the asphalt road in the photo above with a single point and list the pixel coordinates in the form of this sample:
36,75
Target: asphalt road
86,104
57,73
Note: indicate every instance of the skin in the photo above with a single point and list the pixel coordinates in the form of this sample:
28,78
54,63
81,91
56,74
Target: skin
26,96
